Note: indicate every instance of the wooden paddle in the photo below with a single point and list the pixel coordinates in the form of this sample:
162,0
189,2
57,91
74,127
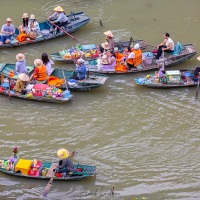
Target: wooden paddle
64,31
48,187
65,79
197,91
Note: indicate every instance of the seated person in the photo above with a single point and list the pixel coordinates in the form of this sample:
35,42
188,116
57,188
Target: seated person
7,31
24,27
47,62
61,18
107,62
64,165
20,66
126,53
80,71
33,28
40,72
21,81
135,57
104,47
166,46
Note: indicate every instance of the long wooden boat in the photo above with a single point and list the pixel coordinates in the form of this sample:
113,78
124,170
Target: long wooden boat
90,51
76,21
172,79
92,80
187,52
45,171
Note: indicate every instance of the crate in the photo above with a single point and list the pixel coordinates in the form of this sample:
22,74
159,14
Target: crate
173,76
23,166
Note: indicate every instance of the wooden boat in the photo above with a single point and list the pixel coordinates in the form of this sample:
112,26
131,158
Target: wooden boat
44,170
76,21
92,80
172,79
182,54
89,51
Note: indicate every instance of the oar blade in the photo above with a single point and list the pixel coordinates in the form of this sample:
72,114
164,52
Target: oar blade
48,187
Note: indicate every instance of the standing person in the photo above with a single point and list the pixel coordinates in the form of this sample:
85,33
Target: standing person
80,71
166,46
40,72
47,62
33,27
20,66
110,40
135,57
61,20
7,31
24,27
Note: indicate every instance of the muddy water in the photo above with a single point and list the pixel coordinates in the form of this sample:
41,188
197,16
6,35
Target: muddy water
143,141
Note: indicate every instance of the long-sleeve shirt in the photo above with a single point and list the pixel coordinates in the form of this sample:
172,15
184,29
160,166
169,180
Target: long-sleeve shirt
61,17
35,28
81,71
67,163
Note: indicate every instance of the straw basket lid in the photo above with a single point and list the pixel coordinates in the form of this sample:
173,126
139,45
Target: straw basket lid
38,62
20,56
63,153
105,45
23,77
25,15
58,9
108,33
32,16
198,58
9,20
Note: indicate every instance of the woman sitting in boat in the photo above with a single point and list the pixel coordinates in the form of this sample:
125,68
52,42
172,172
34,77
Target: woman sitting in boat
23,29
135,57
61,18
110,40
65,164
20,66
47,62
33,28
21,82
107,62
166,46
80,71
125,55
7,31
40,72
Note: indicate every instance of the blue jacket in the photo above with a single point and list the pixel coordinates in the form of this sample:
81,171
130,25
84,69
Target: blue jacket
81,71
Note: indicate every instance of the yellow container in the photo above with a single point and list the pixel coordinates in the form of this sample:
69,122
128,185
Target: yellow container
23,166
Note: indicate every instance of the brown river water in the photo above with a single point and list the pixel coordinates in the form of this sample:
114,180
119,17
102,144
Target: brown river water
143,141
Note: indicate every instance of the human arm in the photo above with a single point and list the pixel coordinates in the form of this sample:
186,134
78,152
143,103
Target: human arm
161,44
168,47
36,27
52,16
60,16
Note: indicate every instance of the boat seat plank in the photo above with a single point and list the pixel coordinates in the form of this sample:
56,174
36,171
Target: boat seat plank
50,173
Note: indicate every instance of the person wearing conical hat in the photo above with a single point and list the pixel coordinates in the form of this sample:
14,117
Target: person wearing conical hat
7,31
110,40
21,81
58,18
40,71
20,66
65,164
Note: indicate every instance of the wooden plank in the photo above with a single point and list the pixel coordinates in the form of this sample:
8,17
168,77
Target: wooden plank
50,173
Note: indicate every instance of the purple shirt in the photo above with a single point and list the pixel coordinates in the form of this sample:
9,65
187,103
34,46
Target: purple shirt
20,67
7,28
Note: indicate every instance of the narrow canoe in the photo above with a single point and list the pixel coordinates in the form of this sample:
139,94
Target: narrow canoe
76,21
89,51
172,79
81,172
92,80
187,52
